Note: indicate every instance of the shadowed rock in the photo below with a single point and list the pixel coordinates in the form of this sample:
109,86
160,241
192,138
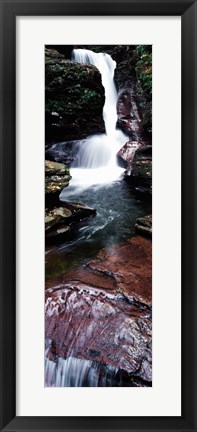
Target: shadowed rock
141,174
74,98
144,225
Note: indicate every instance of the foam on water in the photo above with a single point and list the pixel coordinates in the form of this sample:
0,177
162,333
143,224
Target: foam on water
96,161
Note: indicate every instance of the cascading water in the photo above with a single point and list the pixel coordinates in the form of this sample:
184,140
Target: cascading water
95,182
74,372
106,66
97,154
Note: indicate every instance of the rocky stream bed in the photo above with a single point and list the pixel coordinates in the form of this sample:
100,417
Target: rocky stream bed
98,287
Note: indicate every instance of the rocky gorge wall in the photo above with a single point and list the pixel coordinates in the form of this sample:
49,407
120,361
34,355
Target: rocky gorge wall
98,315
75,95
74,99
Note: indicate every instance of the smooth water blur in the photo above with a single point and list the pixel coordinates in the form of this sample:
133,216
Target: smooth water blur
97,181
97,151
117,209
100,150
106,66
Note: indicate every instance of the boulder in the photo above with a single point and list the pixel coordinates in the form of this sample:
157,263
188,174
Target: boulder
54,168
65,151
57,177
144,225
64,219
74,98
126,154
141,175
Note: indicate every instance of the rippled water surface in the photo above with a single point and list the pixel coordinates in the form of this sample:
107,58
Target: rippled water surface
117,209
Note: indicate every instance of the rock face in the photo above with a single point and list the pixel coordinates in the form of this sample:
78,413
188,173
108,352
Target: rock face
63,219
74,98
57,176
102,313
129,118
65,152
141,174
133,73
144,225
126,154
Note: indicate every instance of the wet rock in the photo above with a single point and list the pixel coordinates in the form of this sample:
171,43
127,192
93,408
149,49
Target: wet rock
141,175
57,177
144,225
91,325
142,169
125,268
102,313
129,265
143,154
74,99
64,219
129,119
56,183
65,151
54,168
126,154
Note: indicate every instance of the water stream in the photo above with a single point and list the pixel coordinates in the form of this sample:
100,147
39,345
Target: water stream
97,181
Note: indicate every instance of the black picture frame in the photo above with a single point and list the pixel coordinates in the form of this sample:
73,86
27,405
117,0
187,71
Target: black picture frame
10,9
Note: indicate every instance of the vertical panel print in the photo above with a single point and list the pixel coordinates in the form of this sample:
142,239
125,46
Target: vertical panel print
98,223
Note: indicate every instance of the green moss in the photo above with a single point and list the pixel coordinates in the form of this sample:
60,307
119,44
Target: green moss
143,67
54,105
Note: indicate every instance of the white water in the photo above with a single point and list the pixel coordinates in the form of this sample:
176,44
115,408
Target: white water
106,66
75,372
96,160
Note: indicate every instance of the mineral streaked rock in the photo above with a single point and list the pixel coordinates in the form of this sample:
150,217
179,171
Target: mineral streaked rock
102,312
93,325
126,154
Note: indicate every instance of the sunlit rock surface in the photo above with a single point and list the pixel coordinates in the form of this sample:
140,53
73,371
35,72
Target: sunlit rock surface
57,176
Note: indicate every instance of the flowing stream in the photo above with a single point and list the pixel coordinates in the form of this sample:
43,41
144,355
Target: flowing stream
97,182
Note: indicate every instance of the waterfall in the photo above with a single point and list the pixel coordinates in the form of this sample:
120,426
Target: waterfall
97,153
106,66
75,372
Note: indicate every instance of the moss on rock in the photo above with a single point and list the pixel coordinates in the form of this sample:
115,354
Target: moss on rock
74,98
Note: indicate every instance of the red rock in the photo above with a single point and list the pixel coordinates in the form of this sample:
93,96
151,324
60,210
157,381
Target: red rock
126,154
102,312
88,324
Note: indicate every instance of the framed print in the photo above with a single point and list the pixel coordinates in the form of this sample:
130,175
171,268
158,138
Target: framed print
88,90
